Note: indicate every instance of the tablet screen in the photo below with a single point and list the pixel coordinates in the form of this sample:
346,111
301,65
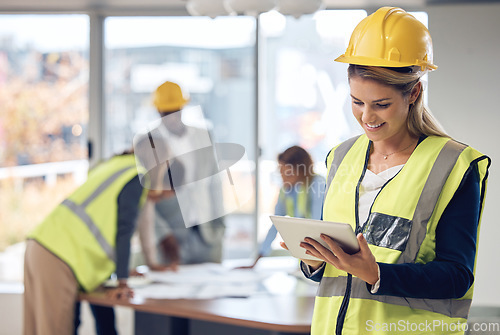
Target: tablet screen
293,231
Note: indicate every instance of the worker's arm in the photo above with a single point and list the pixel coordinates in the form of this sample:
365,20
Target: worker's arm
128,208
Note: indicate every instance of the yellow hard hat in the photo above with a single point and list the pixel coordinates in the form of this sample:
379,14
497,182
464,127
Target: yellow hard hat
168,97
390,37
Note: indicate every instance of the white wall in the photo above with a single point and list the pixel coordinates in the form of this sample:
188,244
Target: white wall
464,95
11,310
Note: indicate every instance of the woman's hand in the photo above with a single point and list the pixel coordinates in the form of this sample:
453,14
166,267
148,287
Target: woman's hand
310,262
361,264
122,292
171,250
162,267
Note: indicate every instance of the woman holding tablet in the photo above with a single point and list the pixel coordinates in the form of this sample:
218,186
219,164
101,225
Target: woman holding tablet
412,194
301,194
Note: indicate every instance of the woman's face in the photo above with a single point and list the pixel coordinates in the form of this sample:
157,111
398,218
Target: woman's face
380,109
289,173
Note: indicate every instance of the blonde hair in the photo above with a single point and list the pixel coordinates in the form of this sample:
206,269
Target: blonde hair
420,120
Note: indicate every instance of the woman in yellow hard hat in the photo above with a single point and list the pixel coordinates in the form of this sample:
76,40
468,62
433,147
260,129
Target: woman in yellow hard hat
412,194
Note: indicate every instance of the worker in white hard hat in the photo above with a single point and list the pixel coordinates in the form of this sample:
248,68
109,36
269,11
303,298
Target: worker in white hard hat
179,236
412,194
169,236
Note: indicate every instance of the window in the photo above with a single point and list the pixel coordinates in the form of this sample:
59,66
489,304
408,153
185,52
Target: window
305,93
213,61
43,94
44,91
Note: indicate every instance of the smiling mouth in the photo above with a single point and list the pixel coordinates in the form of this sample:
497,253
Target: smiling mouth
375,125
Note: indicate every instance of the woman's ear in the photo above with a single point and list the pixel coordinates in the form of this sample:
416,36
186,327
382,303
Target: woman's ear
415,92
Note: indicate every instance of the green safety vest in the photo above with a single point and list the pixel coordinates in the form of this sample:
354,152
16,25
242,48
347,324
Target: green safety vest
303,206
408,209
81,231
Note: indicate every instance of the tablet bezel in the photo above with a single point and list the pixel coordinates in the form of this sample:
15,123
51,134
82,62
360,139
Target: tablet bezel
294,230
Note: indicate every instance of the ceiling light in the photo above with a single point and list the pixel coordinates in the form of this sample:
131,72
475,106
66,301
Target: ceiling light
299,7
250,7
211,8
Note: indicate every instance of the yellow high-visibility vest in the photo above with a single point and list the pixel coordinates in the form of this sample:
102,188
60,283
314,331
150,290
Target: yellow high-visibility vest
410,204
81,231
303,205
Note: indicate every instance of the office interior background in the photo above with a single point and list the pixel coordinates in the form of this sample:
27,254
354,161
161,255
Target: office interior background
76,79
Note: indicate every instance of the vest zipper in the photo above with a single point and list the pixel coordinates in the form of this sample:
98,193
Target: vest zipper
347,295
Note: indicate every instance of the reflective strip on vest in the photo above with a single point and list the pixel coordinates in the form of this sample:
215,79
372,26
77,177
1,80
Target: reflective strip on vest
450,307
437,178
303,207
340,153
444,164
80,212
441,169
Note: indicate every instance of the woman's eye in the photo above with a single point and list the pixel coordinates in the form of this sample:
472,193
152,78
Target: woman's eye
359,103
383,105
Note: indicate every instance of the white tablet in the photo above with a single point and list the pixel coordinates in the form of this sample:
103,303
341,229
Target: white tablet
294,230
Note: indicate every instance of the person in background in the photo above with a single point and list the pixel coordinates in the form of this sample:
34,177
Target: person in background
301,194
413,195
169,236
80,244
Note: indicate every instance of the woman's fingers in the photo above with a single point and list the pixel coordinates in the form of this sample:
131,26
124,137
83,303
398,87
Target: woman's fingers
334,247
311,250
315,244
361,264
363,243
320,251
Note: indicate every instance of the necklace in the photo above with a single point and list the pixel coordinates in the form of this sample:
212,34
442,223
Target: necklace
395,152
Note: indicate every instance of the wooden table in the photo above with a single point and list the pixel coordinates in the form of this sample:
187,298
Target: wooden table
256,315
281,309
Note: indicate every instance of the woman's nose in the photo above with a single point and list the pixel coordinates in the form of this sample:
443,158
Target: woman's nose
368,115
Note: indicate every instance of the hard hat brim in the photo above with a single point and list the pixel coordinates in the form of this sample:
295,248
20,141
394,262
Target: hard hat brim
368,61
165,107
